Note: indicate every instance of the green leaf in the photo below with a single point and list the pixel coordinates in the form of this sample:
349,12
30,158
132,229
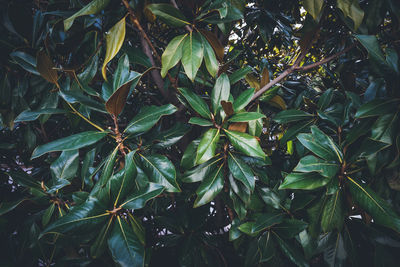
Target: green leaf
172,54
210,59
192,55
292,115
294,254
48,214
266,220
334,249
240,74
76,96
121,187
334,213
321,145
122,74
210,187
241,171
106,173
26,61
169,137
289,228
266,247
138,199
100,244
9,206
160,170
92,8
372,45
220,92
325,99
200,121
291,133
378,208
351,9
66,166
313,164
29,115
384,129
196,102
23,179
187,160
243,99
377,107
313,7
71,142
270,197
305,181
81,219
148,117
245,143
126,248
199,173
114,39
207,145
246,116
168,14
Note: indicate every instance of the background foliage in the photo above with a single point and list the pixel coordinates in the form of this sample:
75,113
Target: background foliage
200,133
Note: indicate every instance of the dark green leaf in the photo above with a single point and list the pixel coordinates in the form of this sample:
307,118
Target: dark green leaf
267,220
92,8
200,121
71,142
241,171
313,164
207,145
334,213
168,14
211,186
377,107
148,117
138,199
126,248
29,115
66,166
220,92
246,116
245,143
243,99
160,170
197,103
305,181
200,172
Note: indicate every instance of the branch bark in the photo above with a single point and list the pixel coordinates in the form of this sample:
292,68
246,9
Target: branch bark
295,67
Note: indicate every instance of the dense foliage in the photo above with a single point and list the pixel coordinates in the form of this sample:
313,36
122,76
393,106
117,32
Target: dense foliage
200,133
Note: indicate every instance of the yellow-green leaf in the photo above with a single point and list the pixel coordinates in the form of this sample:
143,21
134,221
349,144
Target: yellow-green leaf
114,40
91,8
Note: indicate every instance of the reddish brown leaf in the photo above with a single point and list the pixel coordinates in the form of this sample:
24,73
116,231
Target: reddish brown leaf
45,67
238,126
228,107
117,100
214,42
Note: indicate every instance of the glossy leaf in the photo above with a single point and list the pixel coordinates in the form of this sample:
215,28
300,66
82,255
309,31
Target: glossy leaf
196,102
305,181
334,213
200,172
125,247
192,56
241,171
114,39
80,219
207,145
172,54
45,66
292,115
243,99
351,9
168,14
26,61
380,211
372,45
138,199
313,7
71,142
148,117
313,164
245,143
92,8
246,116
377,107
160,170
66,166
267,220
210,187
210,59
200,122
29,115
